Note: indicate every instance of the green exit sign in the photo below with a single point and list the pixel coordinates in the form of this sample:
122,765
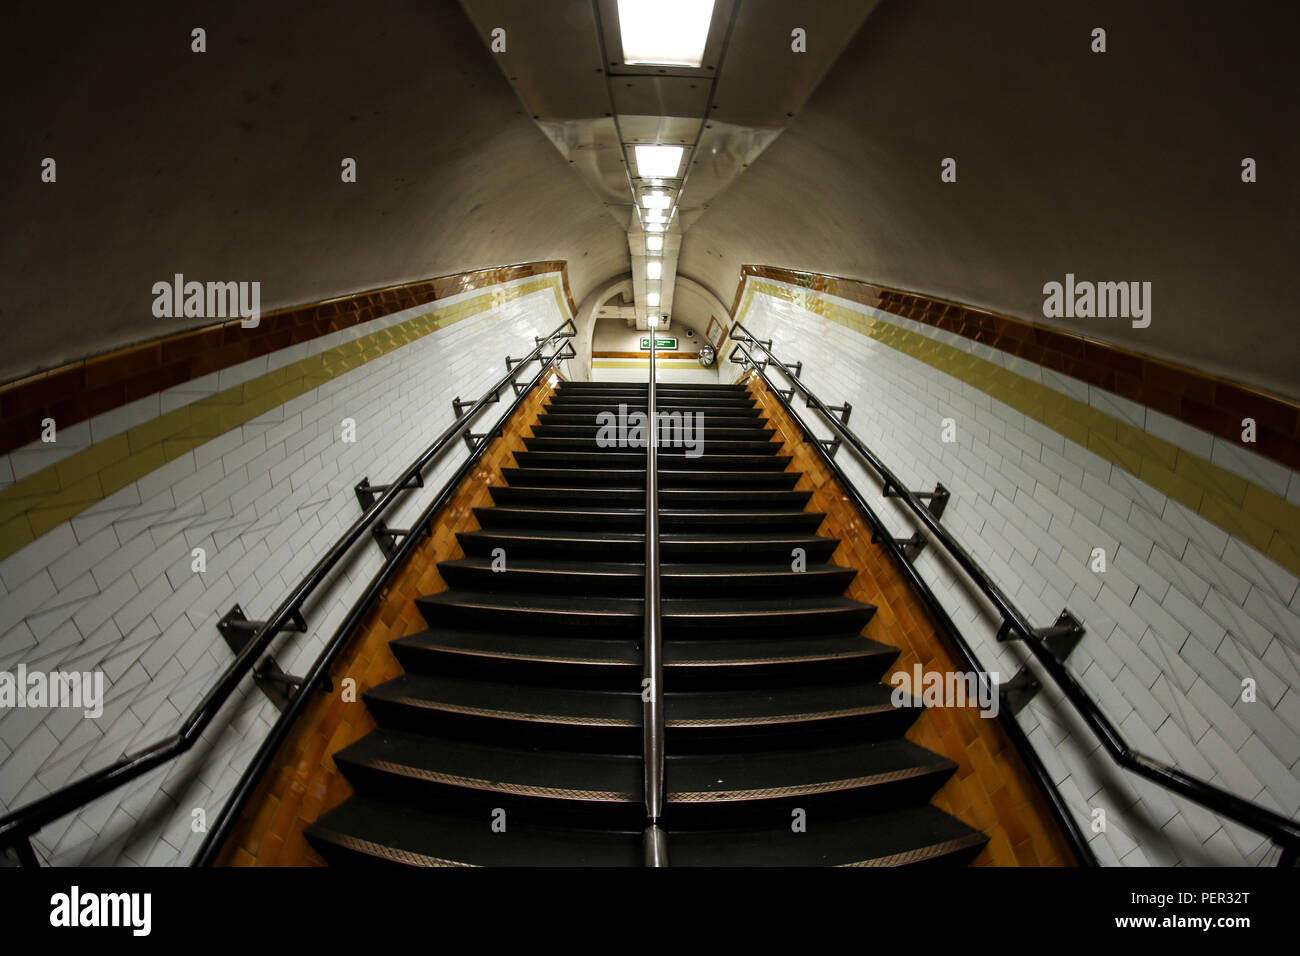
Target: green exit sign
659,343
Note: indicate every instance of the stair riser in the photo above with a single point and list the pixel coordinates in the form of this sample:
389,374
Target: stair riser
633,585
669,478
621,807
619,459
504,731
838,621
482,544
669,498
497,518
623,676
697,443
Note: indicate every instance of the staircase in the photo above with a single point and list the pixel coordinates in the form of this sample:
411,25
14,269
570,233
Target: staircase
514,736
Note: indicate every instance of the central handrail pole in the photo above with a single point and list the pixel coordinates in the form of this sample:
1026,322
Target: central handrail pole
652,722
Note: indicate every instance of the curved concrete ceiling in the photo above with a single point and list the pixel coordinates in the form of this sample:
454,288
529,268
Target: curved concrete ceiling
225,165
1117,166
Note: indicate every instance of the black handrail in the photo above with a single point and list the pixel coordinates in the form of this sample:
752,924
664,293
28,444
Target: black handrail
652,717
20,824
1284,832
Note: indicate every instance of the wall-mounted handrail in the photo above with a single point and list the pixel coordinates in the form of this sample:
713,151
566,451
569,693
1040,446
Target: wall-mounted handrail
652,717
16,827
1284,832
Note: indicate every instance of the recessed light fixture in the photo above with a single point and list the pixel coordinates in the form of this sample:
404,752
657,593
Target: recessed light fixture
656,200
654,270
652,299
654,243
655,227
655,217
664,32
658,160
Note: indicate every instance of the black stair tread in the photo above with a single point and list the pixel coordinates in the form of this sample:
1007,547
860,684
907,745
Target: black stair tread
770,774
628,607
890,838
560,706
729,446
558,649
747,432
619,778
739,540
395,833
550,774
664,512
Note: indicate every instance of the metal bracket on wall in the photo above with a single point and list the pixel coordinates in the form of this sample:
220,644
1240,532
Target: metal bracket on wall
832,445
270,679
935,501
472,438
458,404
844,411
798,368
368,493
910,547
512,362
1059,639
387,537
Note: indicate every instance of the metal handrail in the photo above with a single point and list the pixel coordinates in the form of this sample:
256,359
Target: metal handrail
17,826
1284,832
652,716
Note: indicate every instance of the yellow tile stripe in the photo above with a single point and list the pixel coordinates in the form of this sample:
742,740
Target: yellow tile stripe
44,500
1255,515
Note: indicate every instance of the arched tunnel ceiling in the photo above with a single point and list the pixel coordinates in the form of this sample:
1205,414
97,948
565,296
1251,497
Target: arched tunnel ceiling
226,165
1116,166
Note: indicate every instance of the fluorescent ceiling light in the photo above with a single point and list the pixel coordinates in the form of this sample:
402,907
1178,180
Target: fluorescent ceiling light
654,227
655,217
654,270
656,200
654,243
658,160
652,299
664,32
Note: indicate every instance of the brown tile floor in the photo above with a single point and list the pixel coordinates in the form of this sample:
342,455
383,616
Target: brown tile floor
991,789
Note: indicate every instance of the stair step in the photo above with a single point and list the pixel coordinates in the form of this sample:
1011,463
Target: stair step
609,721
741,403
904,837
628,545
541,785
620,458
591,430
579,661
375,831
504,516
669,477
700,442
628,578
739,618
642,387
710,419
703,499
378,832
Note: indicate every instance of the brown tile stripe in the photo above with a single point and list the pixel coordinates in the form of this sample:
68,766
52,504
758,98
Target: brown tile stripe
81,390
990,790
1212,404
659,353
302,781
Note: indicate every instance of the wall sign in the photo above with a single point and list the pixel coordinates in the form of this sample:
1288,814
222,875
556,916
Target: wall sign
665,343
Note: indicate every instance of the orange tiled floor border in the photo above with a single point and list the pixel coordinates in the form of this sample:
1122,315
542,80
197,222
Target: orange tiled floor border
991,789
302,781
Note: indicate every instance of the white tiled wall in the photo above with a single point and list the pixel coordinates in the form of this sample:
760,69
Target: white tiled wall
112,588
1182,614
